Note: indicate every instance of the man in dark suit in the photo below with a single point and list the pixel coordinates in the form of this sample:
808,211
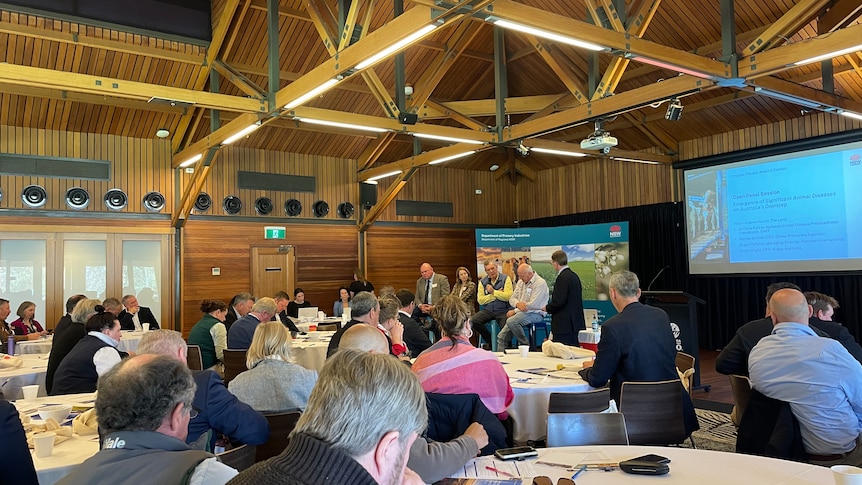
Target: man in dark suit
134,316
240,305
415,338
242,331
823,307
66,319
281,301
637,344
567,305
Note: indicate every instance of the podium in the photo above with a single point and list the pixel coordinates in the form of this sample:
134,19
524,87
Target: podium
681,307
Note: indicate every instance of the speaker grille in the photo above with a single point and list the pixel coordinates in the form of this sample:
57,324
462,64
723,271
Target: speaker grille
422,208
116,199
345,210
154,201
77,198
231,204
34,196
203,202
263,205
320,208
273,181
293,207
36,166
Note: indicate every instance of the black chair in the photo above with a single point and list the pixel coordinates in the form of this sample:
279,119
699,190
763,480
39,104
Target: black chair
582,429
234,363
579,402
280,426
654,412
193,358
769,428
449,415
238,458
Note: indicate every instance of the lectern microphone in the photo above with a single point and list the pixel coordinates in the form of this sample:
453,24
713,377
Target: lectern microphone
649,286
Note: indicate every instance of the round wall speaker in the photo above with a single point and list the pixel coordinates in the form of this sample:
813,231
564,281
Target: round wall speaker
263,205
231,204
77,198
293,207
345,210
320,208
203,202
154,201
34,196
116,199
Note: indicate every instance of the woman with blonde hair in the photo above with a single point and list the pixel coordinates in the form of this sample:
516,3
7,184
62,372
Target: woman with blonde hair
465,287
272,382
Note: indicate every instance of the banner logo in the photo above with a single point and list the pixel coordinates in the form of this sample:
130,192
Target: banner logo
616,231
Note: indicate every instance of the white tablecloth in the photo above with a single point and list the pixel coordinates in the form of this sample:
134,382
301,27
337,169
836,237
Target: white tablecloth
687,466
32,372
128,343
68,454
304,326
530,407
309,350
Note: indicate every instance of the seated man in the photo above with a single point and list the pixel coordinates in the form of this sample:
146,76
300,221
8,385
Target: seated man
218,411
238,307
528,299
242,331
493,293
823,307
817,376
13,448
365,447
364,309
134,316
144,407
415,338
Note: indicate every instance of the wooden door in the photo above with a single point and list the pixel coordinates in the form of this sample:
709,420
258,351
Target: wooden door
273,269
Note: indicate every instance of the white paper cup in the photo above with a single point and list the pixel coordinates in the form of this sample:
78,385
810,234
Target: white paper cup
30,392
847,475
146,327
321,316
524,350
43,444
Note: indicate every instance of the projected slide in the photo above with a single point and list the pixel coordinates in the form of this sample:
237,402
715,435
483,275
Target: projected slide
797,212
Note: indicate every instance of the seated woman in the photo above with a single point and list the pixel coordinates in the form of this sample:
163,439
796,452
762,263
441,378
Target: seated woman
26,324
91,357
298,302
272,382
342,302
66,341
210,333
453,366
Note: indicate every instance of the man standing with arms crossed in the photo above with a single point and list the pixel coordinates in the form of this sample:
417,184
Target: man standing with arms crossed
566,306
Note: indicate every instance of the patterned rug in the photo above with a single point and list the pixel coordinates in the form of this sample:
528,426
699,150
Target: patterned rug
716,431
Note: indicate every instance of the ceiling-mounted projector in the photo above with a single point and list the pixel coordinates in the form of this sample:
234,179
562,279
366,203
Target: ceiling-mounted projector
599,140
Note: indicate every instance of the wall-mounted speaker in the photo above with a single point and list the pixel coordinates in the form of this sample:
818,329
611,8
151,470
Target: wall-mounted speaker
34,196
320,208
77,198
154,201
203,202
263,205
367,194
408,118
345,210
231,205
116,199
293,207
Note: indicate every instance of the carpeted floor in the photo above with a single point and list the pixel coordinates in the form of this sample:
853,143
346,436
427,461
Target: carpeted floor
716,431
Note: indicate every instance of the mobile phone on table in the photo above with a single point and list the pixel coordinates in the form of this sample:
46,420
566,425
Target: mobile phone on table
653,458
516,453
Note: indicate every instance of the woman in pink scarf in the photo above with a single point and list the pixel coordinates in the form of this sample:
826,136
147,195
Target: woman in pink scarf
453,366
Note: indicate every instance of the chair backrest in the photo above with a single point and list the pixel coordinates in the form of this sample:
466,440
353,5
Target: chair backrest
769,428
741,388
328,327
653,412
193,358
685,362
584,429
239,458
234,363
579,402
280,426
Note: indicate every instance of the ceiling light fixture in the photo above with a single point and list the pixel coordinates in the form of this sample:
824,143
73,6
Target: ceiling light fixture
850,114
242,133
635,160
829,55
192,160
669,66
338,124
557,152
163,133
374,179
448,138
451,157
547,35
494,168
396,47
314,92
787,97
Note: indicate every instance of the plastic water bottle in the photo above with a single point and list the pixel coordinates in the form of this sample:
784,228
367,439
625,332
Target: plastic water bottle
10,345
595,323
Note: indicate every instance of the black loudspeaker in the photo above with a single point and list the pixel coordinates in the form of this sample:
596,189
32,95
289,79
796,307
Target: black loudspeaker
320,208
232,205
408,118
263,206
34,196
203,202
77,198
116,199
367,194
154,202
345,210
293,207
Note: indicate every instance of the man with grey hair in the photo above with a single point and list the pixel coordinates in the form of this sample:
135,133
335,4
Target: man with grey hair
637,343
241,332
239,307
144,407
817,376
567,304
364,308
362,417
134,316
527,301
113,305
218,411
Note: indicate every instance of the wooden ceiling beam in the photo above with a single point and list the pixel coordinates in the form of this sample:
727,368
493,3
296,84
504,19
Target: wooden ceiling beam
804,92
384,201
840,14
566,99
238,80
460,37
443,111
97,99
799,15
293,76
560,66
350,23
657,135
282,10
373,151
421,160
77,38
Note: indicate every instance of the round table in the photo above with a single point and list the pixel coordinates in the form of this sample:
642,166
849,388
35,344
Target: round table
309,350
529,409
31,372
128,343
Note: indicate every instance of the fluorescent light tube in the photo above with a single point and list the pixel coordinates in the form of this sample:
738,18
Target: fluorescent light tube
448,138
548,35
557,152
338,124
314,92
192,160
829,55
851,114
787,97
451,157
672,67
650,162
245,131
396,46
378,177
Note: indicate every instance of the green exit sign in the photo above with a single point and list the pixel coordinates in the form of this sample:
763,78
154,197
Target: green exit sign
274,232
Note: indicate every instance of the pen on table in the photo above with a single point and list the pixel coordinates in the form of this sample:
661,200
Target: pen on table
580,470
501,472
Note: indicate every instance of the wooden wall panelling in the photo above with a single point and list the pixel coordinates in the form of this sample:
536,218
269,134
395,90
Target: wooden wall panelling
326,255
395,253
